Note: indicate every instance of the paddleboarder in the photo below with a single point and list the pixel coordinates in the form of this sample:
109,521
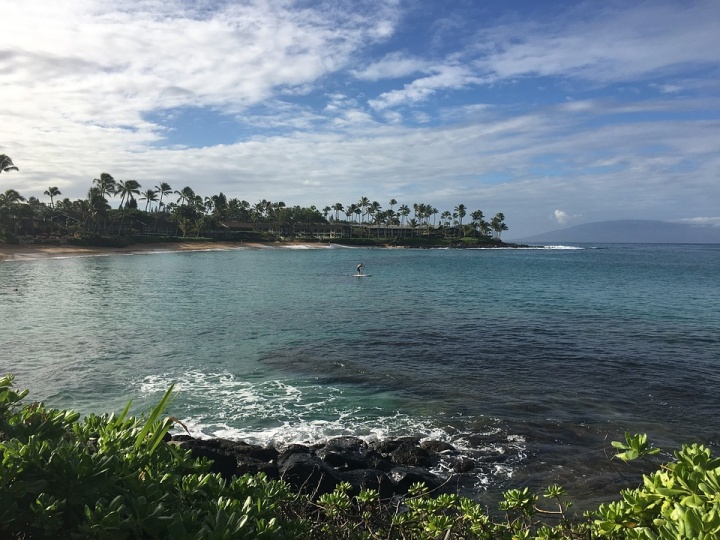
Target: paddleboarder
360,268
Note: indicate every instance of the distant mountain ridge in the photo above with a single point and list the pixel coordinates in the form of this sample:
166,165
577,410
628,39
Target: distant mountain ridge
630,232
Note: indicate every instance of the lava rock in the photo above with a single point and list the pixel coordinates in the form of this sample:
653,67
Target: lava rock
308,473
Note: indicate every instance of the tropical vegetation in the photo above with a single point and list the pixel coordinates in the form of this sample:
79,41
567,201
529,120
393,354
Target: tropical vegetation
116,476
162,211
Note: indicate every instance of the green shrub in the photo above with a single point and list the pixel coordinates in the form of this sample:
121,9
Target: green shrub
8,237
679,500
112,476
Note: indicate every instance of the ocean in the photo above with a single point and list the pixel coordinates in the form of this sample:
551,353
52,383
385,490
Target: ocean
530,360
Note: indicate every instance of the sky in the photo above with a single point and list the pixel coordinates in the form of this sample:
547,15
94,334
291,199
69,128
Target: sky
555,113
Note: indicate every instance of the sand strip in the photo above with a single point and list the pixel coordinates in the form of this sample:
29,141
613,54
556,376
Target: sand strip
37,251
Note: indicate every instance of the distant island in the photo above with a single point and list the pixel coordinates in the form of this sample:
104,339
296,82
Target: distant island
629,232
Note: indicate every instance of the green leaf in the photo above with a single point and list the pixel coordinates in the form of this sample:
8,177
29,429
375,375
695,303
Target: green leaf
692,501
153,418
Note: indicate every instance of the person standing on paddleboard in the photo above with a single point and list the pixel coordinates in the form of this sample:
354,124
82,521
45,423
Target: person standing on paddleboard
360,268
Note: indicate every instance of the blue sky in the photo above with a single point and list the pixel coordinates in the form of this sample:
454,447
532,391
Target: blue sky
554,113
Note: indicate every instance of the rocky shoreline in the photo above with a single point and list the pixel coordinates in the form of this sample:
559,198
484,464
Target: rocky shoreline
388,466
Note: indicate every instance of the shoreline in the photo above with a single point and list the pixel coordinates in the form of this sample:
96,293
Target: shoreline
31,252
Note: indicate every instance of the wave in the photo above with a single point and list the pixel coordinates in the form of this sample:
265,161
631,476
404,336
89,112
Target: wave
283,412
559,247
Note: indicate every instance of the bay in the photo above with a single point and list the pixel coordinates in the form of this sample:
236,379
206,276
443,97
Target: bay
534,358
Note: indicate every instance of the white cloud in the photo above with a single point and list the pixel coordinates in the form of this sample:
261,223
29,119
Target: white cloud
561,217
667,88
443,77
605,42
392,66
93,63
701,221
79,79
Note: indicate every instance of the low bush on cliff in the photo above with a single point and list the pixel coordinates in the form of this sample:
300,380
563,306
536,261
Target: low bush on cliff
113,476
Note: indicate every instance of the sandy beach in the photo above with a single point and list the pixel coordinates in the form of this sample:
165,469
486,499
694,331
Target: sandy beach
34,252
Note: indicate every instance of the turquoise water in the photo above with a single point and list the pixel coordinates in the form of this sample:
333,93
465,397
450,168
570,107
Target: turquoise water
537,356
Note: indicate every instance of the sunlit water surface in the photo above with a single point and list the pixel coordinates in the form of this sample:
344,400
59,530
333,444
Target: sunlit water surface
534,357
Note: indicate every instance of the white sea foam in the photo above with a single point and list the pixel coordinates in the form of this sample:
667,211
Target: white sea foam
283,412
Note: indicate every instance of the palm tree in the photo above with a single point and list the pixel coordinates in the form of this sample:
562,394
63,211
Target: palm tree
163,189
126,189
9,206
98,205
209,204
52,192
106,184
372,210
445,217
6,164
338,207
363,203
479,223
421,212
149,196
10,197
404,212
392,203
461,212
413,225
390,217
498,224
238,210
185,195
260,209
220,205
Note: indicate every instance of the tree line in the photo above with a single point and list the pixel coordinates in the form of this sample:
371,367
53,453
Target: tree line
161,208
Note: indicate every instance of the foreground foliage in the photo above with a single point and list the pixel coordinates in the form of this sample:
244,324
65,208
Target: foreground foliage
115,477
680,500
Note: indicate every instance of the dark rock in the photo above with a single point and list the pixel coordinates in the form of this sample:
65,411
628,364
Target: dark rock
409,440
437,447
249,465
404,477
369,479
375,460
240,449
498,458
344,460
389,466
309,473
388,446
463,464
480,440
414,456
344,444
182,437
222,463
291,451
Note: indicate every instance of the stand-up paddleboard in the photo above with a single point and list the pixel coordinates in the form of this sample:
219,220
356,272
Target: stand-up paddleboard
362,275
